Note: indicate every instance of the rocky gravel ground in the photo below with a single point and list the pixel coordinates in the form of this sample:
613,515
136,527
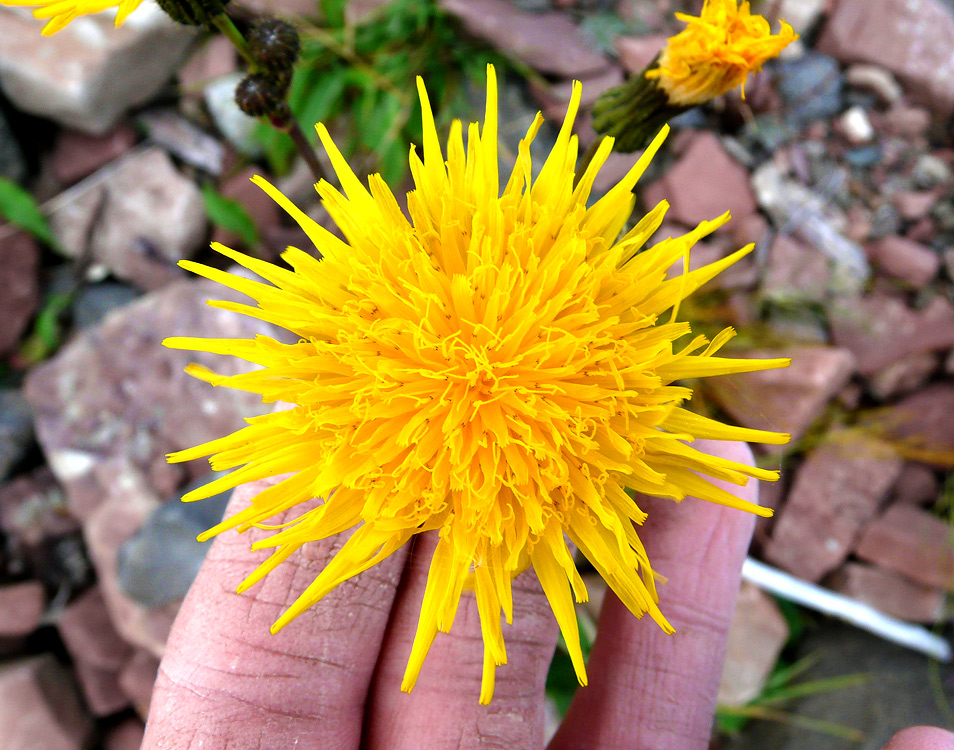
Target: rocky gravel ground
838,164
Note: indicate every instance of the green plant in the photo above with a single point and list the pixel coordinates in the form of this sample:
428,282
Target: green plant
363,76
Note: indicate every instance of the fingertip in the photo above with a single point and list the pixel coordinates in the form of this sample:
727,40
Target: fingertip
921,738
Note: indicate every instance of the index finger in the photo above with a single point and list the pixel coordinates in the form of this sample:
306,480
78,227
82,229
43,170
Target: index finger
654,691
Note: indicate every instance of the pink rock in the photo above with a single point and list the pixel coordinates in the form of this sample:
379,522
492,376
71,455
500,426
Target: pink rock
756,637
21,606
101,689
836,491
912,542
922,423
19,286
89,635
907,261
260,208
123,512
903,376
915,204
916,485
788,399
796,272
33,511
125,736
138,217
636,52
77,155
907,122
912,39
703,184
40,707
138,678
751,229
114,394
880,329
548,42
889,592
214,59
559,94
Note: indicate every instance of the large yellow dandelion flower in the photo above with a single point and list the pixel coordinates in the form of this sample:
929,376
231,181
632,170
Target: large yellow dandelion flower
716,52
61,12
497,368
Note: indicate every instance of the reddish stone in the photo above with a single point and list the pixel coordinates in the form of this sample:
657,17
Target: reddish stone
916,485
636,52
912,39
705,183
77,154
114,394
912,542
907,122
907,261
915,204
137,680
836,491
889,592
21,606
756,637
214,59
33,511
903,376
256,202
101,689
548,42
126,507
787,399
125,736
87,630
880,329
796,272
19,287
749,230
922,423
40,707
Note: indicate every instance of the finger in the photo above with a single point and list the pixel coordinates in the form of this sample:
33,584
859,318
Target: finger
921,738
226,681
653,691
443,706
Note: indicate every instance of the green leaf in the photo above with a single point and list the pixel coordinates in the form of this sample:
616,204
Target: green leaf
18,207
230,215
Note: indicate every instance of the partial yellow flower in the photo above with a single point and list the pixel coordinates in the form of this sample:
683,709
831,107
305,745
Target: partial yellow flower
61,12
716,52
497,368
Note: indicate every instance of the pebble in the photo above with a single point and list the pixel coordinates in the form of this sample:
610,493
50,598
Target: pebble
930,171
856,126
811,86
876,79
159,562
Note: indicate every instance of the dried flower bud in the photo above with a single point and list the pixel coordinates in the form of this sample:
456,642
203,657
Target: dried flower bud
258,95
193,12
274,44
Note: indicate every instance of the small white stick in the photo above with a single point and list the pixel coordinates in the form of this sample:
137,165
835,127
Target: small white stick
868,618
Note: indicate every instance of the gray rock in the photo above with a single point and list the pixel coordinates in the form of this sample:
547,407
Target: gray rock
88,75
237,127
811,86
158,563
16,429
896,694
138,217
95,301
864,157
182,139
929,171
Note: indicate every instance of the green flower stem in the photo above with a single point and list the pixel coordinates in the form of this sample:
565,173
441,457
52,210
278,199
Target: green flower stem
305,148
225,24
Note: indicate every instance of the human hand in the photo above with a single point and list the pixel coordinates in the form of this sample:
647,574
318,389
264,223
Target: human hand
331,680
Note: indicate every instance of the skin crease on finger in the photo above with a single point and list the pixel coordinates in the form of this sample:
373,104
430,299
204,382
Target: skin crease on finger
226,682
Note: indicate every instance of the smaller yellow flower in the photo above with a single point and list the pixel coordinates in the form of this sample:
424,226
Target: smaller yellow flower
716,52
61,12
